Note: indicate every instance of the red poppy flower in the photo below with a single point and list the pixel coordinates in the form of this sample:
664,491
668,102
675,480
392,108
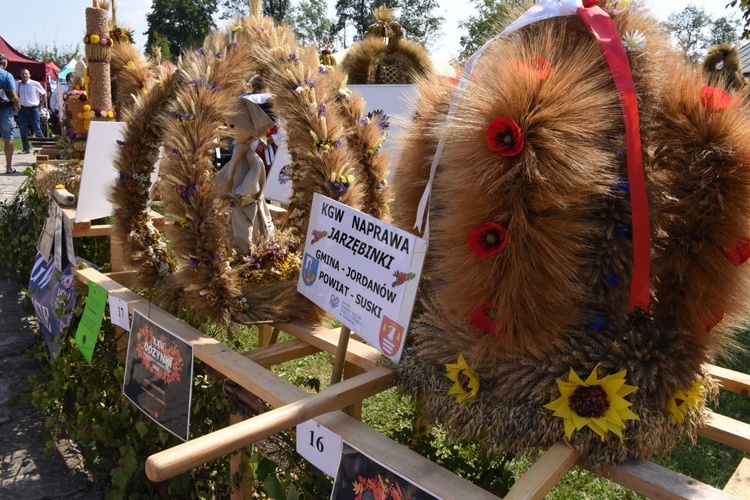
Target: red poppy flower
740,252
504,136
537,66
485,318
715,99
487,240
714,319
590,3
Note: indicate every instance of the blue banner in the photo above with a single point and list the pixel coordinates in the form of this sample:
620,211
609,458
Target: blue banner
53,294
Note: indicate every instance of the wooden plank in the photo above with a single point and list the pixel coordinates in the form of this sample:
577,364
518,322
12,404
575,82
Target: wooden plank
275,354
242,481
728,431
358,352
655,481
739,484
277,392
183,457
545,473
730,380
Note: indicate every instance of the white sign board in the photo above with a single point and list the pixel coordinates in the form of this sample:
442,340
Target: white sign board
319,446
99,172
397,101
362,271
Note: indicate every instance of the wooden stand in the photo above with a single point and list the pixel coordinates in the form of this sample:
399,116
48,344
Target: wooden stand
293,406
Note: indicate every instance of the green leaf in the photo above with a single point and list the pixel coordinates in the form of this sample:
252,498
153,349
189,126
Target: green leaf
141,428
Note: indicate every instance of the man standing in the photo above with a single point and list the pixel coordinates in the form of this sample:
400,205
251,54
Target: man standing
32,97
7,83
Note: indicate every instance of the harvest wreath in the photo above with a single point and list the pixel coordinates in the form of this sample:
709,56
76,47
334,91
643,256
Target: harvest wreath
198,268
544,319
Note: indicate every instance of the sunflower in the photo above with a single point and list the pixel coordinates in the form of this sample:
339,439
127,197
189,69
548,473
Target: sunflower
597,403
680,402
466,381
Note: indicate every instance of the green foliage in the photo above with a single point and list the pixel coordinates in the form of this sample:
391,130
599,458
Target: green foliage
419,21
161,41
84,403
491,15
59,55
357,14
695,30
310,24
184,23
279,10
744,6
21,221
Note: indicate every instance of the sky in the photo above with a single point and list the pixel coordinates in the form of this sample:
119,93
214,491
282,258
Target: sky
63,23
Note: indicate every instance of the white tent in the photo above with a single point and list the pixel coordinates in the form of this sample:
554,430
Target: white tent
68,68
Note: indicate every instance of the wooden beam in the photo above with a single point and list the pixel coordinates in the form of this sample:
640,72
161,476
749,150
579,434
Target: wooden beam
358,353
168,463
277,392
728,431
545,473
730,380
739,483
275,354
655,481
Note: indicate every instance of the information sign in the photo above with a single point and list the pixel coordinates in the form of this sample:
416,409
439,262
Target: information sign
362,271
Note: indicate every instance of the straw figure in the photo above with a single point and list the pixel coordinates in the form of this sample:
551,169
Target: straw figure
579,274
723,67
334,151
384,56
98,54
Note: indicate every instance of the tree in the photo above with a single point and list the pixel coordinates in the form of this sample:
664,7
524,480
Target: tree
744,6
491,14
311,25
355,13
46,53
695,30
417,19
184,23
280,10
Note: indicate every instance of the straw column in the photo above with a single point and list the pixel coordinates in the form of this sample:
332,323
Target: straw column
98,46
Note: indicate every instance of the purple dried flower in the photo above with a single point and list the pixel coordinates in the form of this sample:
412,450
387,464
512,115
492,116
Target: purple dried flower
337,143
201,51
193,262
219,55
338,188
364,121
310,83
292,56
322,107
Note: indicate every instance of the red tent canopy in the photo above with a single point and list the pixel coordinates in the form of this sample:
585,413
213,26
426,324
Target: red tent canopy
51,70
18,61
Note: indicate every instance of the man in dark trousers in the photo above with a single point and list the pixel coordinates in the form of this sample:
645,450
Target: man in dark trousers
32,96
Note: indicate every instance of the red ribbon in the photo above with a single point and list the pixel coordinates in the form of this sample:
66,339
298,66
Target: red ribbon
614,53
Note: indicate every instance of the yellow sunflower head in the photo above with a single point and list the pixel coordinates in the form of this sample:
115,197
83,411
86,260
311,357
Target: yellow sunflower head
680,402
466,381
597,403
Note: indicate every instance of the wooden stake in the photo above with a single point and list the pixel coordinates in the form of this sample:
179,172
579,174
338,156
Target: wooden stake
167,464
545,473
338,363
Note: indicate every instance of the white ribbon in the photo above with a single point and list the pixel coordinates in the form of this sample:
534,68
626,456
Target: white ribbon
543,10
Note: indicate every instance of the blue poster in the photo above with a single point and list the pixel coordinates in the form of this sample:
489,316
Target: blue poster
53,294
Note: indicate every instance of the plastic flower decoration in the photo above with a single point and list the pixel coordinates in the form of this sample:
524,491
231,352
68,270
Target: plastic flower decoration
487,240
739,253
619,143
715,99
466,381
485,317
537,66
597,403
634,41
504,136
679,403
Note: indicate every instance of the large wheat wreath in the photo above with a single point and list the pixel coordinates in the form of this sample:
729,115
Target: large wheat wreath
335,149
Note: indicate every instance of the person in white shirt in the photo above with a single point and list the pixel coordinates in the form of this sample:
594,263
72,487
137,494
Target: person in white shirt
32,97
